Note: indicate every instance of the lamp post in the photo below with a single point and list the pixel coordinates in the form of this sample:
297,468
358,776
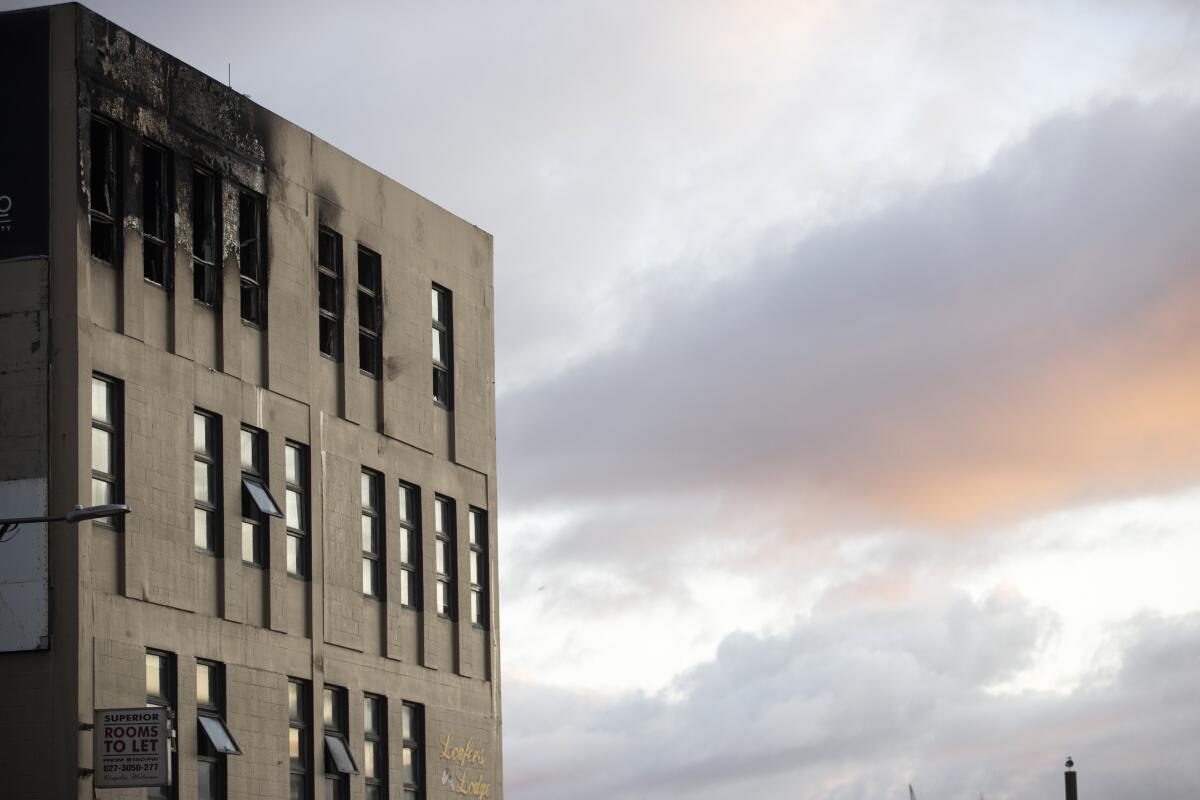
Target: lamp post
77,514
1069,777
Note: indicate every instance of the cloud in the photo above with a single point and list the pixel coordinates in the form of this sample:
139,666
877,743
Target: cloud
986,349
857,704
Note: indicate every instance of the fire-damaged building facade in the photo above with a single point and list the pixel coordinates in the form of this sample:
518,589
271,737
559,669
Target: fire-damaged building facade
282,361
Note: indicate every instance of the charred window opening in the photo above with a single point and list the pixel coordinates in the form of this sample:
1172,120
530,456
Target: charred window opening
329,292
156,214
252,253
205,219
370,312
102,195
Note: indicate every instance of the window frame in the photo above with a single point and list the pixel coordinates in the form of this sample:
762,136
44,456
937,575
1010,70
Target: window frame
253,283
211,458
206,274
335,735
163,202
371,512
166,698
375,742
448,577
254,508
110,179
207,751
333,317
370,337
297,537
301,720
412,737
114,427
480,568
409,499
442,309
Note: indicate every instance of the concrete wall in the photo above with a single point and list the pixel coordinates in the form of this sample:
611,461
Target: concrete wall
146,585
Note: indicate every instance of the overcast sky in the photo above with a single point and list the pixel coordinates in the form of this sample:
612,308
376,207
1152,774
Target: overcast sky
849,372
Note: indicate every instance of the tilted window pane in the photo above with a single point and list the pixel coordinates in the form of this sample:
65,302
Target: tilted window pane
219,735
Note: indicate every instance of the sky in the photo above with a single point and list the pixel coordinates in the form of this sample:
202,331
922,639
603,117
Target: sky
848,362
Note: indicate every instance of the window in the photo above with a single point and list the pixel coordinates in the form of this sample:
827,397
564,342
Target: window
329,293
443,347
443,531
108,484
295,475
477,533
257,503
160,693
206,436
252,256
412,728
375,746
205,224
213,741
410,546
103,190
157,190
299,739
339,764
372,534
370,312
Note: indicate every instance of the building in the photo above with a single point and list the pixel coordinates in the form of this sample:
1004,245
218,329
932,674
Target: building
282,361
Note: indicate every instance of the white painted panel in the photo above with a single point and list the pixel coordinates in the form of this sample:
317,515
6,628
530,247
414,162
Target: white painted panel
24,569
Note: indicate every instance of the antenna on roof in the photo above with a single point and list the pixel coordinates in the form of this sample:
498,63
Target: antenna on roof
229,74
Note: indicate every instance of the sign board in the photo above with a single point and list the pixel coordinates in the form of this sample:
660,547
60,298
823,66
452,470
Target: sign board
25,134
131,747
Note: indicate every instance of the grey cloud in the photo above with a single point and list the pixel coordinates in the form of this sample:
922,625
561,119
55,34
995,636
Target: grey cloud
856,705
1000,344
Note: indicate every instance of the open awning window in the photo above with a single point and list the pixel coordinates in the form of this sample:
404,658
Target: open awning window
222,740
261,497
336,752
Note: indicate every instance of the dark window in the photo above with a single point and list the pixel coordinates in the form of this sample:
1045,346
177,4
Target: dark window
329,292
375,746
252,255
443,348
410,546
160,692
295,469
444,552
213,741
257,503
206,217
372,534
103,190
412,728
477,533
108,481
339,764
370,312
157,192
206,438
299,739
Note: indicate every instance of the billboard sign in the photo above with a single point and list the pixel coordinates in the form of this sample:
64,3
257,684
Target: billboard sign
131,747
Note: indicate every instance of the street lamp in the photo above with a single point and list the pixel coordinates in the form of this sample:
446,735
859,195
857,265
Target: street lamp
76,514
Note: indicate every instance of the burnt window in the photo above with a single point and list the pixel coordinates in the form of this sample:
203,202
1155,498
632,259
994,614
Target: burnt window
443,347
206,480
108,479
370,312
156,214
339,763
103,190
257,503
477,540
300,739
372,534
213,741
329,292
252,256
295,503
444,555
410,546
206,213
